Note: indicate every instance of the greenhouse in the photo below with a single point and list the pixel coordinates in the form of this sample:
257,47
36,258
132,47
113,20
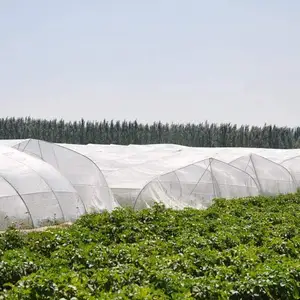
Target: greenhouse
272,178
87,178
196,185
110,158
33,193
138,172
82,172
293,166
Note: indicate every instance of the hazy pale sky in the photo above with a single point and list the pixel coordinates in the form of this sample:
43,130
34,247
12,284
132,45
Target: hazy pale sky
170,60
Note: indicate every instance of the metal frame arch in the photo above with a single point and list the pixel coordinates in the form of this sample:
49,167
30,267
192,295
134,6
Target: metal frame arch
41,157
23,201
43,179
277,164
286,160
93,163
194,163
250,155
289,159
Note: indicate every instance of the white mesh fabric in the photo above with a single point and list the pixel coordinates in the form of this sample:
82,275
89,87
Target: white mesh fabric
12,207
47,195
197,184
293,165
179,176
82,172
155,192
272,178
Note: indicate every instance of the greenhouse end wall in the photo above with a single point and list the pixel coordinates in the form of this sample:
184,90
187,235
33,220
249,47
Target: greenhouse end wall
33,193
83,173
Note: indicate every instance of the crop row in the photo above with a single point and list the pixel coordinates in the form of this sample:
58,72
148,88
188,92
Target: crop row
237,249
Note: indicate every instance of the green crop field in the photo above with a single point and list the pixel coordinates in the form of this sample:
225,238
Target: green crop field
237,249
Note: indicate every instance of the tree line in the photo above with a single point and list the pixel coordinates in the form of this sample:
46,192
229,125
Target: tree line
126,132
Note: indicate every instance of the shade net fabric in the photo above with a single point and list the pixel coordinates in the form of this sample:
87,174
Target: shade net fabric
33,193
197,184
133,169
63,181
272,178
82,172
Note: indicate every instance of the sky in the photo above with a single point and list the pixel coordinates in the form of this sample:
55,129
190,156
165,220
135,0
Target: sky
170,60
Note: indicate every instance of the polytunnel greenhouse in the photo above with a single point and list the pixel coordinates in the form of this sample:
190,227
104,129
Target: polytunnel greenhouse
82,172
110,158
33,193
196,185
43,181
293,166
143,174
271,178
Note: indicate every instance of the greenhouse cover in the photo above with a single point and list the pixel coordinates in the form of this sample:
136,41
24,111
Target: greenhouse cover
103,177
180,176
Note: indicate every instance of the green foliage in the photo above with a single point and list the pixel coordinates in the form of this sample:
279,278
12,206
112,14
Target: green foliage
124,133
237,249
11,239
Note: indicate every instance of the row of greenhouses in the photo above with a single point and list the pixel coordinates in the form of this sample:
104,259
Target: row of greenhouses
44,183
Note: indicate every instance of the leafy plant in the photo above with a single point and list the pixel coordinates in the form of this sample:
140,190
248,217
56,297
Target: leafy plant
237,249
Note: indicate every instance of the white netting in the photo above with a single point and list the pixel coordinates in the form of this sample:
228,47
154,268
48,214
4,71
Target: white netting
33,193
178,176
272,178
293,165
197,184
129,169
81,171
